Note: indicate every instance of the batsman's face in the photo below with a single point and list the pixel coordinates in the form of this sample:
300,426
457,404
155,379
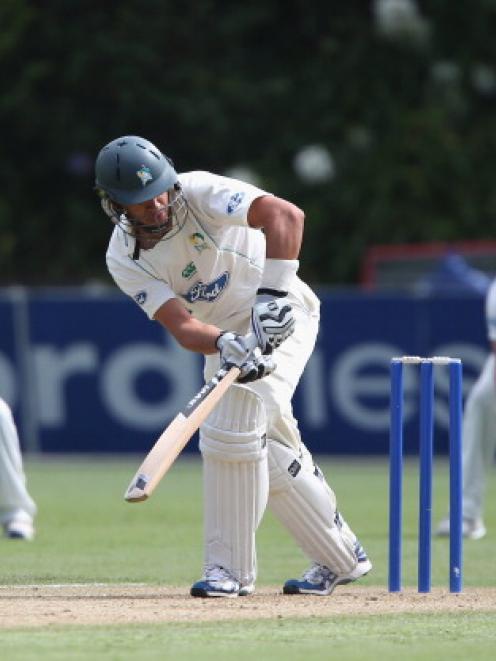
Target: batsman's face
150,220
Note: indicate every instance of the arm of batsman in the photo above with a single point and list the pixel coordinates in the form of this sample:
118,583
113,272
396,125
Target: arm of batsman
243,352
272,319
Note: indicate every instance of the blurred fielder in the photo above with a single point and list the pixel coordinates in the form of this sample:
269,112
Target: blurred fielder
211,259
479,435
17,508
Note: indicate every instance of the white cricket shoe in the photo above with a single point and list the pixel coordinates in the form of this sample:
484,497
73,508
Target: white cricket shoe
19,528
320,580
471,528
218,582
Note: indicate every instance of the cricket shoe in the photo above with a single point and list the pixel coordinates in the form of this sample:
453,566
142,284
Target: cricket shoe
320,580
471,528
218,582
19,529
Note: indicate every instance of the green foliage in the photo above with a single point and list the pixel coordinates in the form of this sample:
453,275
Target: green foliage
411,126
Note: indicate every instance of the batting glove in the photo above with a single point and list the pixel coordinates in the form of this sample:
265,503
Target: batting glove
236,350
272,319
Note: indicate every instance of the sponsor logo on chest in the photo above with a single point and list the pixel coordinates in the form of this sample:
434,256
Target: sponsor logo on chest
207,291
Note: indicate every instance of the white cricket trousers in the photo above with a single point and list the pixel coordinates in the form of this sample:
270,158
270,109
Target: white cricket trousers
14,497
278,388
479,439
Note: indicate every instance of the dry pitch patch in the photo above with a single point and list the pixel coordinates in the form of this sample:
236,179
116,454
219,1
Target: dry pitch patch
45,605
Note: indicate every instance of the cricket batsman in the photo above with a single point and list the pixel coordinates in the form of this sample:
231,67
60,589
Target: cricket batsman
213,259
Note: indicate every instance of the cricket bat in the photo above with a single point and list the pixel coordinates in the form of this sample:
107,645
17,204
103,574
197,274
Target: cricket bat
173,439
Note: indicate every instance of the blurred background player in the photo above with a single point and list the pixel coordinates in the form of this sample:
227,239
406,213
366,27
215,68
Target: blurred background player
17,509
189,251
479,436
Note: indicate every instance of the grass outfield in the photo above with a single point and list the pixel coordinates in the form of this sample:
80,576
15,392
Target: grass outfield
87,534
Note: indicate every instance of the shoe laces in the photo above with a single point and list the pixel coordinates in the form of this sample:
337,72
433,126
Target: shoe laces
360,554
317,573
217,573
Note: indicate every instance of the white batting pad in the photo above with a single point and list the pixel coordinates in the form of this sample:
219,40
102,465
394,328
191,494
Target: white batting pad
305,504
235,478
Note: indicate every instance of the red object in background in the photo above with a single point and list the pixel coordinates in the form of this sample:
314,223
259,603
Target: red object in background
401,265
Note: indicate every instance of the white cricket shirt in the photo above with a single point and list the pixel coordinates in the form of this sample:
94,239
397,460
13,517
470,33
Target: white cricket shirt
213,264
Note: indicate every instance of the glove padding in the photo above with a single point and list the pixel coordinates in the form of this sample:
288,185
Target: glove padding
272,319
236,350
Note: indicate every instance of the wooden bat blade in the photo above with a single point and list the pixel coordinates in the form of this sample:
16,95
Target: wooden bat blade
173,439
159,459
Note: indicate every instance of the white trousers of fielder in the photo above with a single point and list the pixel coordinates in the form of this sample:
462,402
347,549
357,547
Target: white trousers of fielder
15,501
479,439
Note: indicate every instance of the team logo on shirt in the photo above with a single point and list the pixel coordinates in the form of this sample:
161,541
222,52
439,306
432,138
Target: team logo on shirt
209,291
144,174
140,297
234,202
198,241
